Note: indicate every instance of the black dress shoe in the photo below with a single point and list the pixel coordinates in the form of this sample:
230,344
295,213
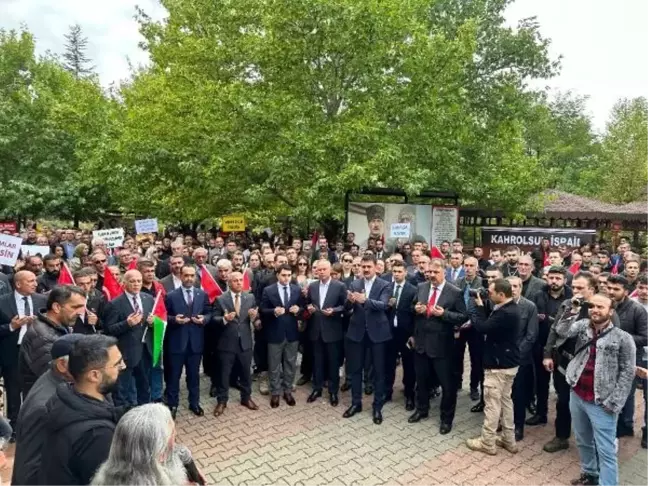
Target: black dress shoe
536,420
409,404
417,416
474,394
174,411
212,391
333,399
345,387
377,417
368,390
315,394
197,410
274,401
519,434
478,408
445,428
351,411
290,400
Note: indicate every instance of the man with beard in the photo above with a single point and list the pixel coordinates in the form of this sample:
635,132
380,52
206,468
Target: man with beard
48,280
174,279
510,266
88,321
548,302
200,259
634,321
81,418
64,305
34,264
556,260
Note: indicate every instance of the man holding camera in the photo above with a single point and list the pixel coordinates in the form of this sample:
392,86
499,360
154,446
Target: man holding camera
501,361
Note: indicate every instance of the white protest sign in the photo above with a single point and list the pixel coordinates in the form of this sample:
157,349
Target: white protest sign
9,249
146,226
114,238
31,250
400,230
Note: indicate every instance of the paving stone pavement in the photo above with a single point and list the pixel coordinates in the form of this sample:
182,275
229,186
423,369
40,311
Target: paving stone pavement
311,444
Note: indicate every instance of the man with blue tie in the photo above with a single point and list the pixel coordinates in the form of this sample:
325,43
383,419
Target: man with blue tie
188,312
368,302
128,318
281,304
456,270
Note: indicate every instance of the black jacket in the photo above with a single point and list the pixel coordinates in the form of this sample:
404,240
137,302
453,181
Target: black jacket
502,329
96,303
31,430
46,282
35,351
9,339
329,328
634,320
78,436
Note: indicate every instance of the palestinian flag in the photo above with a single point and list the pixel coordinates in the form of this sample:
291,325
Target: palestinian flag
65,276
159,326
209,285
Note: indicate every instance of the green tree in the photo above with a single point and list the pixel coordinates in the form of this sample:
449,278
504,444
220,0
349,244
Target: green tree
281,107
76,60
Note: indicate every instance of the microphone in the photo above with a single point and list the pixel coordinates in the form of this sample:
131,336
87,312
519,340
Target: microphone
184,454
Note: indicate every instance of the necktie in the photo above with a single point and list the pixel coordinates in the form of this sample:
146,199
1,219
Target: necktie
285,296
27,308
467,294
397,294
189,300
237,304
432,302
136,306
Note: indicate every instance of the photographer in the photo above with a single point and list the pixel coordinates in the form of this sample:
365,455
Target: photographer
600,375
501,361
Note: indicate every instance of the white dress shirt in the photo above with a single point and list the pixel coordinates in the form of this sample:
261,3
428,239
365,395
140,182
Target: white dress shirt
176,282
323,290
368,285
281,292
439,290
20,305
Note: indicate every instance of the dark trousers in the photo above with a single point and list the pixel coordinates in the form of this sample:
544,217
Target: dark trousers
308,356
326,357
443,369
542,376
356,353
260,351
228,360
522,390
133,383
368,371
563,414
475,342
395,348
11,377
191,362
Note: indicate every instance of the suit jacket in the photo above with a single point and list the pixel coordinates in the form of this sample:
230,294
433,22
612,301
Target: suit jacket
528,329
332,257
535,286
330,328
235,335
450,270
285,326
404,310
167,283
8,338
372,315
97,305
129,338
433,335
189,336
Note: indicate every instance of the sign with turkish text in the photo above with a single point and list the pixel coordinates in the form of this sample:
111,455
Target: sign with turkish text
10,226
31,250
114,238
400,230
233,223
445,224
146,226
9,249
529,239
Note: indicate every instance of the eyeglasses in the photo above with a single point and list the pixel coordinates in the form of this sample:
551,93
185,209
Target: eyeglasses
101,261
302,264
346,260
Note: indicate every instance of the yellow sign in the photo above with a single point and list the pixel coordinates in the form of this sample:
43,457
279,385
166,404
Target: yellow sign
233,223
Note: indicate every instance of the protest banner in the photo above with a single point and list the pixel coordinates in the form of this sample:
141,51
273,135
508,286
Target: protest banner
114,238
30,250
146,226
233,223
400,230
9,249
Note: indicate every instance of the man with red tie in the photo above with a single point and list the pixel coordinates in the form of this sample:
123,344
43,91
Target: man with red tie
440,311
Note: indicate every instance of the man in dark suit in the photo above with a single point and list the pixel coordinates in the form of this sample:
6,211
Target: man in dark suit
369,329
401,317
281,304
174,279
90,321
128,318
324,249
531,285
188,312
234,312
440,310
456,270
467,333
326,299
17,311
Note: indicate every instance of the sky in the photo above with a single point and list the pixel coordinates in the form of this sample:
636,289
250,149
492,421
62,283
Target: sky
601,42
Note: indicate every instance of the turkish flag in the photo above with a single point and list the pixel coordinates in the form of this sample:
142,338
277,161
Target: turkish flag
575,267
209,285
111,287
65,276
246,281
436,253
133,264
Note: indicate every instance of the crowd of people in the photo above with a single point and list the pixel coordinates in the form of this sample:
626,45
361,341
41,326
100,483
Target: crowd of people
81,371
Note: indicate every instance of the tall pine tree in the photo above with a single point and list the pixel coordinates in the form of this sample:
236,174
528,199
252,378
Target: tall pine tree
75,57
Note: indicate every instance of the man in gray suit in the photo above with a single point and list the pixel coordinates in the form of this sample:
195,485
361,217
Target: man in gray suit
530,285
233,313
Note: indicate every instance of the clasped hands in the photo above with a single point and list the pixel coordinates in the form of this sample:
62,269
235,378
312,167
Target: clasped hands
357,297
280,311
181,319
327,312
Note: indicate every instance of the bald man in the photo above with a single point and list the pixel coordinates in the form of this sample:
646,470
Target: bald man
17,311
129,319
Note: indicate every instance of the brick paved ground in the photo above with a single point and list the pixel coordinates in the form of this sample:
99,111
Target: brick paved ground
312,444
